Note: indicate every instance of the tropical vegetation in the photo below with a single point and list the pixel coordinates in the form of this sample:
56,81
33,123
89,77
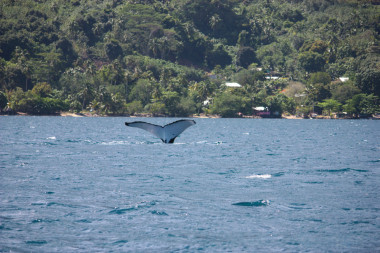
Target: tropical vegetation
174,57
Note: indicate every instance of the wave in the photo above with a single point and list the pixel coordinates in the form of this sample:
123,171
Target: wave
342,170
132,207
36,242
112,143
299,206
73,141
159,213
262,176
335,170
278,174
313,182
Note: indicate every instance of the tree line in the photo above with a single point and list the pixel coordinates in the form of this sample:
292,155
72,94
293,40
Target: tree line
174,57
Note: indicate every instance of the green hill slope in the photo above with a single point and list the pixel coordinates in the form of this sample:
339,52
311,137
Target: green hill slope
152,56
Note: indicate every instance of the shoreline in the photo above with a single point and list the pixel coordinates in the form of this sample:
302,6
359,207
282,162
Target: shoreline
195,116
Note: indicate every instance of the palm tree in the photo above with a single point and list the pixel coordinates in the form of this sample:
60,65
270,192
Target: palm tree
128,79
214,21
86,94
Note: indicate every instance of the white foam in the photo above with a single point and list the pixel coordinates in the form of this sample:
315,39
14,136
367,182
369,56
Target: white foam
263,176
111,143
52,138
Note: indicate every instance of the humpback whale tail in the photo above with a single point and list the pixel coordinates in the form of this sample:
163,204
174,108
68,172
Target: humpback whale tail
166,133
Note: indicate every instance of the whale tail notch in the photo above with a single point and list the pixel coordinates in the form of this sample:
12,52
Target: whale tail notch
166,133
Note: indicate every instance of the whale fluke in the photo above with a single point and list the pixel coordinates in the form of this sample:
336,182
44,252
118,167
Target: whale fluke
166,133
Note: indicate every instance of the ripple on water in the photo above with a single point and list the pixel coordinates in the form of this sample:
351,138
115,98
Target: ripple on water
121,242
161,213
44,220
133,207
335,170
299,206
122,210
253,203
37,242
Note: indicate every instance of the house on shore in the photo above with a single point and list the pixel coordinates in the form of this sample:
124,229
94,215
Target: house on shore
264,112
261,111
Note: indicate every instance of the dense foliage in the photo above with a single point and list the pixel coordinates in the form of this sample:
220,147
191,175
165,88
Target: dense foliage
174,57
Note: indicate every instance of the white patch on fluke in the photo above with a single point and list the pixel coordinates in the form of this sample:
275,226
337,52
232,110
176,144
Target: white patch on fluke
264,176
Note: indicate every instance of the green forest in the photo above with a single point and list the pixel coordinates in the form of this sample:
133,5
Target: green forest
174,58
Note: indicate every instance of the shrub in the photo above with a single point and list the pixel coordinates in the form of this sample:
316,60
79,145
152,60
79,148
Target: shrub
227,105
134,107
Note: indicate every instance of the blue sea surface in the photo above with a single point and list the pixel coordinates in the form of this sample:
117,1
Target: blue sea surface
226,185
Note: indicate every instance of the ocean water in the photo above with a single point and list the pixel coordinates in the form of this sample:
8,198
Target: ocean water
225,185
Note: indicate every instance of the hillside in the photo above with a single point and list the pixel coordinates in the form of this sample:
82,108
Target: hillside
169,57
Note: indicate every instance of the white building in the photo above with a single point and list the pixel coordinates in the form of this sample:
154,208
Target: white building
233,85
272,77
